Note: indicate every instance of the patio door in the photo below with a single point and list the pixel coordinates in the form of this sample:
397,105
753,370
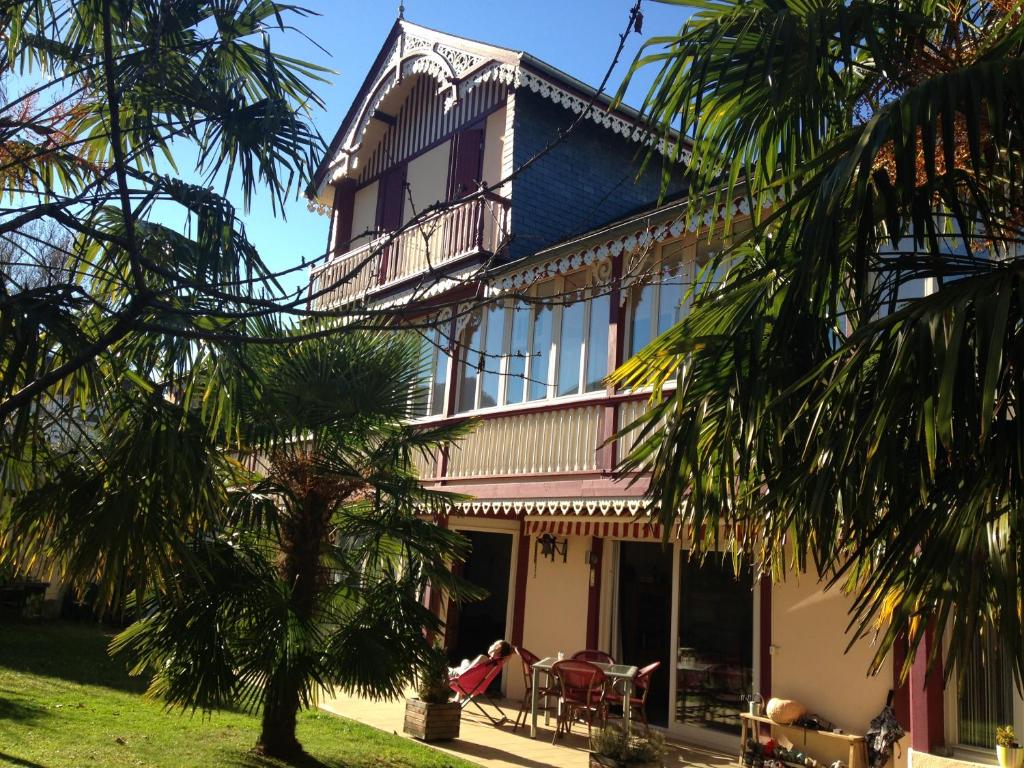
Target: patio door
472,627
643,632
714,653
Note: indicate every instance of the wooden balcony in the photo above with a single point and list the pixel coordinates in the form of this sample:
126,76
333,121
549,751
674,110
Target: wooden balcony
474,227
544,442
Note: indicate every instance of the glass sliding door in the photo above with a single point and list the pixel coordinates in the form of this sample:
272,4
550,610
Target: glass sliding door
714,654
642,633
984,697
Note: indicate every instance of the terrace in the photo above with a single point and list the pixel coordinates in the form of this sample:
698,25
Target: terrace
483,744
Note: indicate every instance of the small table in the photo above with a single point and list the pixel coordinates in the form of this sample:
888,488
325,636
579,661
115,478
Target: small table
623,672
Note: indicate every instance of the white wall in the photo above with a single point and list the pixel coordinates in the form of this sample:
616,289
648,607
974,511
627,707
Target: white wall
809,662
364,213
427,177
494,146
556,604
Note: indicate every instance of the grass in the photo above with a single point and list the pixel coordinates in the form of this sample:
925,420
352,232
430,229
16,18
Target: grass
65,704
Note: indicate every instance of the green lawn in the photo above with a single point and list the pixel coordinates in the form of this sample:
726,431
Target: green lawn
65,703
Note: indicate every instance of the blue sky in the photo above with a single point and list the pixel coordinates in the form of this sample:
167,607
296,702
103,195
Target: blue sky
577,36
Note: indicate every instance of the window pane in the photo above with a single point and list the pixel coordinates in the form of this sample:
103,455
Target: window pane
471,358
570,346
672,289
540,349
985,695
437,403
519,348
421,392
640,306
597,342
494,341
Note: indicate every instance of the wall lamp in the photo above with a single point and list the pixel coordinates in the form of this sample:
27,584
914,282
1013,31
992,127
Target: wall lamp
550,547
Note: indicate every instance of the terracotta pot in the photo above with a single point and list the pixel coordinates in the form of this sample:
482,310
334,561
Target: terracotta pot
432,722
600,761
1010,757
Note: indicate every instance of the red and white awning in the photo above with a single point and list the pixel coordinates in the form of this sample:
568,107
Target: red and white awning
615,529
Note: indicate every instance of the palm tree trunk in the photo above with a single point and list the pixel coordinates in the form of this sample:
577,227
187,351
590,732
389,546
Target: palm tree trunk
277,730
303,534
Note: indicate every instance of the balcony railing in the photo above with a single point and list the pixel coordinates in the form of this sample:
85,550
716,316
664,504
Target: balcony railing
542,442
477,226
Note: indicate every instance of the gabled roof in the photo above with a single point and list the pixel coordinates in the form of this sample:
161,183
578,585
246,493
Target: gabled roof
459,65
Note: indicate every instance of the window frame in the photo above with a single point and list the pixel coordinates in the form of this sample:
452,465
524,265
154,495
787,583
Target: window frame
589,290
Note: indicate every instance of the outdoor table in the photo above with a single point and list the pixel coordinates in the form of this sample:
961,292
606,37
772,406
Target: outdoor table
623,672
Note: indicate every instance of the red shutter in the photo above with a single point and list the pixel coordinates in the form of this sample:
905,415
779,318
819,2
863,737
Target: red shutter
390,207
467,163
391,199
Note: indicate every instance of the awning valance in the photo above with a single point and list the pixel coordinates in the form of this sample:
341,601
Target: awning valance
625,507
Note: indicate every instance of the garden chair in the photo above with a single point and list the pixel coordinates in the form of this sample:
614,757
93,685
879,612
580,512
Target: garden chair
545,691
638,698
473,683
581,691
592,655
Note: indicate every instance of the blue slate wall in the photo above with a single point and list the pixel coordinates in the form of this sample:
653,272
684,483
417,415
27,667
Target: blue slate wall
588,180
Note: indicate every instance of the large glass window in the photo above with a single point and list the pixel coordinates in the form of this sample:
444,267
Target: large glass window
597,342
437,397
573,332
429,392
552,342
518,351
473,361
541,340
661,295
482,358
714,668
494,342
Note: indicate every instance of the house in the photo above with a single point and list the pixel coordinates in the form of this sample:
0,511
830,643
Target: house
496,204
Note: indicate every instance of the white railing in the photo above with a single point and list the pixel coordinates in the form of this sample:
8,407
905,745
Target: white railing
629,411
540,442
478,225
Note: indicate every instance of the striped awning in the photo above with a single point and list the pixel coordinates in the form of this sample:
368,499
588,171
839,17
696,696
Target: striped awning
617,529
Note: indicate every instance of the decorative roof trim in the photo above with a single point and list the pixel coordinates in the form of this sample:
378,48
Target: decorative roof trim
460,71
603,252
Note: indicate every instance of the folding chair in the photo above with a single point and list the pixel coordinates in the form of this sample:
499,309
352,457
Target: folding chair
473,683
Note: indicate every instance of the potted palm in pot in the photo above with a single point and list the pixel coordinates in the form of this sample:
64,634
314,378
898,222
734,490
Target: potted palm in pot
1009,753
431,715
614,748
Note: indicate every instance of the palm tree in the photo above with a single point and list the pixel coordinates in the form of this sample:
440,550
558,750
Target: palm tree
852,390
280,558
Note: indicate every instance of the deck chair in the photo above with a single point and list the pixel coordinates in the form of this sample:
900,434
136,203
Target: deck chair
473,683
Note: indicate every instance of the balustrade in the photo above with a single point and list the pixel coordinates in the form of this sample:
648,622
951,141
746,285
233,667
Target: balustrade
539,442
478,225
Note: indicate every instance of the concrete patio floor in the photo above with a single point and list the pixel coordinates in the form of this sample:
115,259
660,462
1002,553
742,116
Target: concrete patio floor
484,744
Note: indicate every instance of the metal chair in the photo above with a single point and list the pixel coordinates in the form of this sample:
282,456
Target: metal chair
593,655
638,698
581,691
546,691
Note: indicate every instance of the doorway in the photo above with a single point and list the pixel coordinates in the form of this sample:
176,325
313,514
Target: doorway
472,627
644,622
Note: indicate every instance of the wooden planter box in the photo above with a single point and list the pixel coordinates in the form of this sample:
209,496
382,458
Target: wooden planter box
599,761
432,722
